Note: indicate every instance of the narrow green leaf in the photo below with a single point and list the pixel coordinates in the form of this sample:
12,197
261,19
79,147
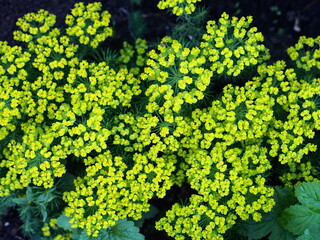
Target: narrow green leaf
20,201
298,218
44,212
29,193
36,236
308,194
5,204
45,197
41,198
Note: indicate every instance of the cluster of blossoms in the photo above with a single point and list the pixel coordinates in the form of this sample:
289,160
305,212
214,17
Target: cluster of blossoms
231,46
57,111
87,25
226,163
178,76
306,53
292,137
233,145
179,7
130,128
182,76
144,168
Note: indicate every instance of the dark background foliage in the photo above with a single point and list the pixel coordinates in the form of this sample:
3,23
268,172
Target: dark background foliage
281,22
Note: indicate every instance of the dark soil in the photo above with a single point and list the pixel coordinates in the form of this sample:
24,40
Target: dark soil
281,22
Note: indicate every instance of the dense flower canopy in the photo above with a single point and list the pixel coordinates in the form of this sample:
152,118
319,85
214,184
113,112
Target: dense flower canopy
126,132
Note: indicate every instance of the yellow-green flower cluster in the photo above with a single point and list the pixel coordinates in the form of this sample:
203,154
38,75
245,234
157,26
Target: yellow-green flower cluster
178,75
227,155
134,57
62,104
12,74
198,220
296,119
226,160
87,90
35,25
87,25
66,107
137,126
178,7
51,225
306,53
230,45
181,75
116,187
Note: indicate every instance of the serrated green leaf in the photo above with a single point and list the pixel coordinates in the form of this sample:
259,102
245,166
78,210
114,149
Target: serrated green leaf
257,230
83,236
298,218
76,234
64,222
124,230
312,233
279,233
271,221
284,197
308,194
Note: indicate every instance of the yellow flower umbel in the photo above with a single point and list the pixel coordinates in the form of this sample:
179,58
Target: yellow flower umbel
231,47
306,54
34,25
12,77
126,130
87,25
178,7
297,109
199,219
178,78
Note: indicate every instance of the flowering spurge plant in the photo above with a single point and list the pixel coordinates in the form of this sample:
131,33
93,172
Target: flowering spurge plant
233,145
88,135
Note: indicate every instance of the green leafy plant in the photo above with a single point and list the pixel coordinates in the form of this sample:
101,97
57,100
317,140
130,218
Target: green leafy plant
300,217
294,214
